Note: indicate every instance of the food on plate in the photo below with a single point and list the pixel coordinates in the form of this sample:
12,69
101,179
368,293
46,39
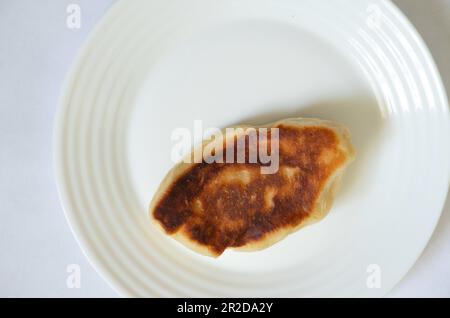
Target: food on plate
210,206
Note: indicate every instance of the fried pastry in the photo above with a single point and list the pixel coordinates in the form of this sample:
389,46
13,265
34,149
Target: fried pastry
211,207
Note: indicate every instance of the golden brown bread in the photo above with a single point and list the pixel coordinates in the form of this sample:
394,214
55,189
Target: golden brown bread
212,207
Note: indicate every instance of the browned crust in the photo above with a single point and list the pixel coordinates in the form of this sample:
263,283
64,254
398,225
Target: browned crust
233,214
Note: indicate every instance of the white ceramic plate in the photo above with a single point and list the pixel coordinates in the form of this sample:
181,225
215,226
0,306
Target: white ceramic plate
153,66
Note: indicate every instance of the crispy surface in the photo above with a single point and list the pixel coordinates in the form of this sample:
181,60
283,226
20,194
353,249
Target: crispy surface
212,207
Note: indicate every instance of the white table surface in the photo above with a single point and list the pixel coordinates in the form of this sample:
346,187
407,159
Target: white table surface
36,245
